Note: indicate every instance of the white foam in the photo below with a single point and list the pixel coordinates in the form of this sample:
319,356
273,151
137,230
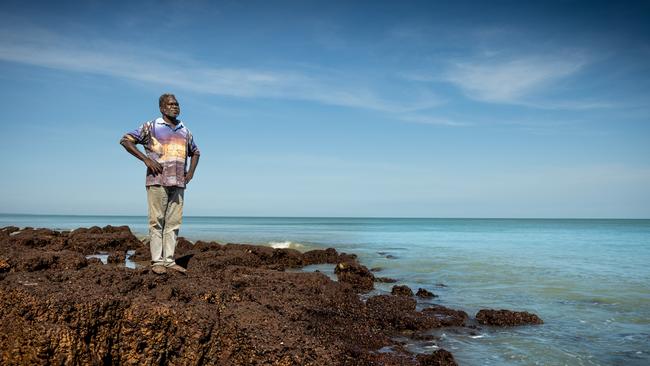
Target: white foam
285,245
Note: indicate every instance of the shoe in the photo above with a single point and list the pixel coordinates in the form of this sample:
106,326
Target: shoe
158,269
178,268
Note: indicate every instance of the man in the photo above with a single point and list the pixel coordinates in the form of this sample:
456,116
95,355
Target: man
167,143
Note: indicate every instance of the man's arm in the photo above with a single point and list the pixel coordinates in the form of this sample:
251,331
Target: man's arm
128,142
193,163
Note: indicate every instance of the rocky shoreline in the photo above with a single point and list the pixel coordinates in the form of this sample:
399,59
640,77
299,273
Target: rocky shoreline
237,305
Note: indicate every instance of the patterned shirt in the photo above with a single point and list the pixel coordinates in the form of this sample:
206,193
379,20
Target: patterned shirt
168,145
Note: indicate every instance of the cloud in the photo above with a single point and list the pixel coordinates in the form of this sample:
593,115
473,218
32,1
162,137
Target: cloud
509,81
47,49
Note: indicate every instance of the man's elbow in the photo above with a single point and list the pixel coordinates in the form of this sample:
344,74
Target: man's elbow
125,140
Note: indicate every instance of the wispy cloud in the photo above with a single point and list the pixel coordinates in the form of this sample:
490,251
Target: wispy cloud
47,49
509,81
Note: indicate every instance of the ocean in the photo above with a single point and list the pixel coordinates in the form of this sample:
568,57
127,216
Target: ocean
589,280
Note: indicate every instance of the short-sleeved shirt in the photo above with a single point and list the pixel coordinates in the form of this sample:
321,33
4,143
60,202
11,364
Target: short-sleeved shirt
168,145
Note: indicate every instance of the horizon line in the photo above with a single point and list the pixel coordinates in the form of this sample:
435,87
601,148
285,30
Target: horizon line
341,217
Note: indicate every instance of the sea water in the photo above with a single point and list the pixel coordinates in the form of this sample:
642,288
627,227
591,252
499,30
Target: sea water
589,280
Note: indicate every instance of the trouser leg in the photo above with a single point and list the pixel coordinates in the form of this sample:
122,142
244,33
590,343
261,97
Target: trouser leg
173,219
157,204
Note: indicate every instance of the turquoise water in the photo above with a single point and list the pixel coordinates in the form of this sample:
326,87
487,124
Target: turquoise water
588,279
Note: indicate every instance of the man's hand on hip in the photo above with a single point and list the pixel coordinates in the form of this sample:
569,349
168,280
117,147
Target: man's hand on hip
188,177
153,165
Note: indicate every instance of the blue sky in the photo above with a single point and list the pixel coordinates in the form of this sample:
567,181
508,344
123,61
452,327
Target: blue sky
304,108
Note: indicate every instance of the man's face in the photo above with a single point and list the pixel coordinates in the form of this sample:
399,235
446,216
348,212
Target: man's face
170,107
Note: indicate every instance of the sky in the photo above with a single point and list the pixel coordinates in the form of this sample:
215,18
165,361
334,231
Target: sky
333,109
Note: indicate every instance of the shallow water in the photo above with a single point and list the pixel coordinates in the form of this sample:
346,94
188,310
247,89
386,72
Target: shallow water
588,279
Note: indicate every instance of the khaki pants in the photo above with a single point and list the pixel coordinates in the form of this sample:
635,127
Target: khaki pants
165,217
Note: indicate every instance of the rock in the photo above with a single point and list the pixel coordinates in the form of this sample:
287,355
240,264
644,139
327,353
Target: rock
504,318
439,357
385,280
4,265
358,276
398,312
116,258
329,255
447,317
108,239
402,291
233,306
422,293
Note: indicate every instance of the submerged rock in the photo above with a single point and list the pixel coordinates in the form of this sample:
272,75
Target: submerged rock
385,280
447,317
504,318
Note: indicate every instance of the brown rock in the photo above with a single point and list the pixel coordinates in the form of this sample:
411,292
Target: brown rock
356,275
402,291
425,294
398,313
439,357
116,258
385,280
234,306
505,318
447,317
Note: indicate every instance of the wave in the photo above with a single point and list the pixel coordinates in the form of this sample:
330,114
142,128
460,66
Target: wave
285,245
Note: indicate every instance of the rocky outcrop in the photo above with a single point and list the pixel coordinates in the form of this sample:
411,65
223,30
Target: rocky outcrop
235,306
506,318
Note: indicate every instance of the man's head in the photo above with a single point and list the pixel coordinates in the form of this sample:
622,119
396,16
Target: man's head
169,106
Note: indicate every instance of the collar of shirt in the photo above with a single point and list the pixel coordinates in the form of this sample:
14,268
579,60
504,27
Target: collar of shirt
161,121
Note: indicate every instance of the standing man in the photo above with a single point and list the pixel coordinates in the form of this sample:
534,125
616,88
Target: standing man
167,143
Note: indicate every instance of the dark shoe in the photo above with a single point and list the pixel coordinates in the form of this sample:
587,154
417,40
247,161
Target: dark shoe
158,269
178,268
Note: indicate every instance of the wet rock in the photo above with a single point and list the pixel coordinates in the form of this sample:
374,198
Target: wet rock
422,293
234,307
385,280
329,255
361,279
107,239
376,269
439,357
116,258
398,313
402,291
8,230
505,318
4,265
447,317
